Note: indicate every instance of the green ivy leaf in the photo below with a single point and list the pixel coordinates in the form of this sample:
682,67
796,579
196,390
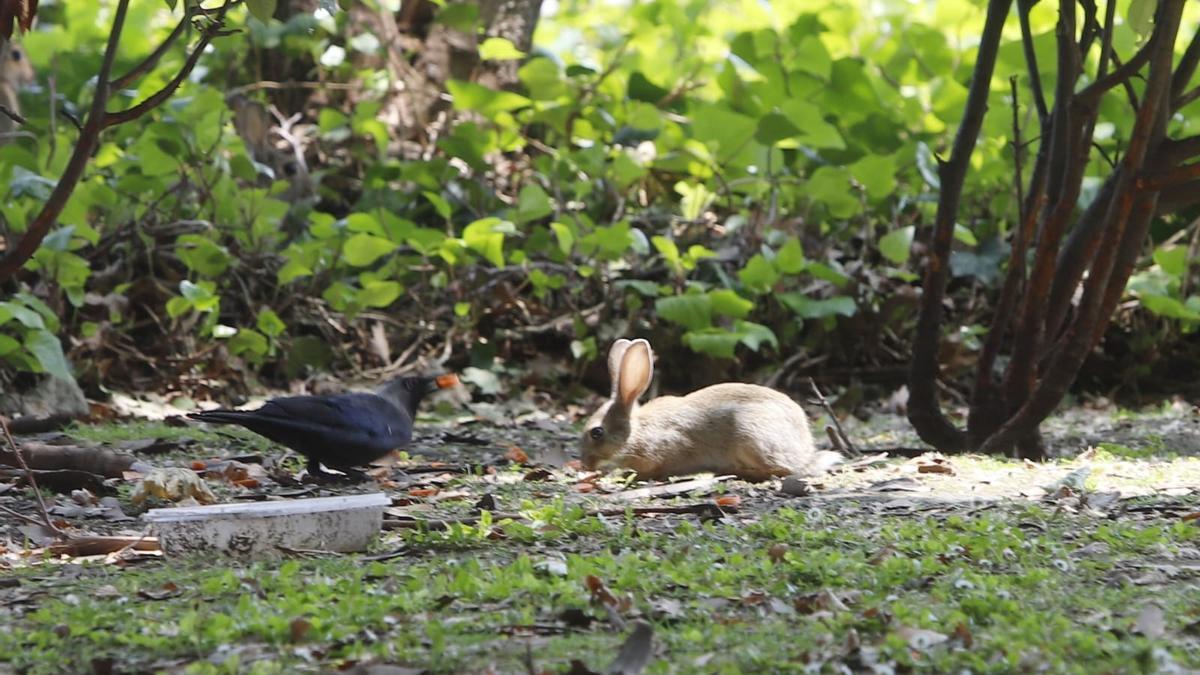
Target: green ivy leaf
790,258
565,237
713,341
262,10
753,335
533,203
726,302
1172,259
774,127
380,293
270,324
46,348
487,102
250,343
830,185
692,311
895,245
499,49
809,308
486,237
363,249
759,275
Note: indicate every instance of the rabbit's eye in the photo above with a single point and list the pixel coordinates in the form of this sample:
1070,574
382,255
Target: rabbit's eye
16,55
596,433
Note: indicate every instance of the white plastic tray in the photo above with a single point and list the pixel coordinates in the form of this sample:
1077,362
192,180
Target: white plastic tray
264,529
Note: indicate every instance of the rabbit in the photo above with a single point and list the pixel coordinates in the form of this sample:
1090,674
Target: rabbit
15,72
747,430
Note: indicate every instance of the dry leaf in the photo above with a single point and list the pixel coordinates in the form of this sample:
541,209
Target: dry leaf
516,455
777,552
300,628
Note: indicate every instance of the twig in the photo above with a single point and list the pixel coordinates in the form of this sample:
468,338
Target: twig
268,84
152,60
32,479
840,439
11,114
22,516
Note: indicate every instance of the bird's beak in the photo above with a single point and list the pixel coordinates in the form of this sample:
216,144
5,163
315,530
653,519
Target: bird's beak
446,381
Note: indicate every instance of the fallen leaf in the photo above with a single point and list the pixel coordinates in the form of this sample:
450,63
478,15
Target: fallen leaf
777,552
167,590
423,492
921,639
963,634
540,473
516,455
299,628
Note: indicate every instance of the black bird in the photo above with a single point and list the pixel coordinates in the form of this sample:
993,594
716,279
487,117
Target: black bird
341,431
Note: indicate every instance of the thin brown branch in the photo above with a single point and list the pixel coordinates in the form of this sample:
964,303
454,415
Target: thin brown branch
147,64
839,433
1091,94
1162,179
1185,70
1186,99
1128,218
11,114
29,475
159,97
924,411
1176,150
1035,77
88,138
1066,167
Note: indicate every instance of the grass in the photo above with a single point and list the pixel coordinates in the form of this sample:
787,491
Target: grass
1001,590
936,581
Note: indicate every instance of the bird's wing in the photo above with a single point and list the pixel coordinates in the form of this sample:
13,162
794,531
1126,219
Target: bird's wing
357,412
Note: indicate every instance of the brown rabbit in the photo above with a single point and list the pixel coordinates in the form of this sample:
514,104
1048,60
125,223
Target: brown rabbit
15,72
730,428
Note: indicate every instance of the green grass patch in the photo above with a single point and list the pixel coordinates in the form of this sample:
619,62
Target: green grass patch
1002,590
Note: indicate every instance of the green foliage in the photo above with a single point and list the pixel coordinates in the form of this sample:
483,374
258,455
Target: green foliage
713,164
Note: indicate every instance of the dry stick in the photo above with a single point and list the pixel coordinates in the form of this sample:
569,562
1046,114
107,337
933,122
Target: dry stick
32,479
840,439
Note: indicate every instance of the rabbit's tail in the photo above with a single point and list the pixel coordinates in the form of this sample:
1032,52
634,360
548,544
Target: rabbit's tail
822,461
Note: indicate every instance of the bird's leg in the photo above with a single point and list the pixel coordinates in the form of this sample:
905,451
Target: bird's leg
317,473
320,475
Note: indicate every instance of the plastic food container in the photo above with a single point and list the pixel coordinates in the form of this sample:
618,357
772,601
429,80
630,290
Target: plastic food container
259,529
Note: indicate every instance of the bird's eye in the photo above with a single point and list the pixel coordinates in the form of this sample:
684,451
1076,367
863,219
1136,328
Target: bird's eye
596,433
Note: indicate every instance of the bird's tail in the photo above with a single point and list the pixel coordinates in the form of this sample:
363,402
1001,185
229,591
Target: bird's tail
219,416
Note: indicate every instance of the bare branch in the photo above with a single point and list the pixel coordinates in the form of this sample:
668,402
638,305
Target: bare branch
923,409
159,97
29,475
1035,77
11,114
1091,94
155,56
1128,218
1155,181
1185,70
88,138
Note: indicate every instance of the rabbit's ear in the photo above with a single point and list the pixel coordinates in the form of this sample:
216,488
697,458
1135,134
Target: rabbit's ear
614,361
634,376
